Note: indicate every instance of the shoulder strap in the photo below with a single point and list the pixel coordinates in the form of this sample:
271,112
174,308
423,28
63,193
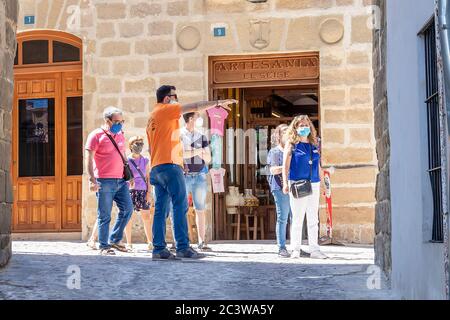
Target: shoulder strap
138,170
310,162
115,145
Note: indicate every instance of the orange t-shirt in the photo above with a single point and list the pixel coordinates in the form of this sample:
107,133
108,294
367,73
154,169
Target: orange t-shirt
163,134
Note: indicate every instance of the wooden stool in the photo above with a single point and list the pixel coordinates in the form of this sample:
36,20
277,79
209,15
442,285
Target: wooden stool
234,225
254,214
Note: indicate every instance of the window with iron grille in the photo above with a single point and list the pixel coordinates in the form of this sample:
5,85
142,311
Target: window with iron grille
434,128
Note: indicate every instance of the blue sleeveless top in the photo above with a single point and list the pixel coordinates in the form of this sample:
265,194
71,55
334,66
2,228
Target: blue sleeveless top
300,167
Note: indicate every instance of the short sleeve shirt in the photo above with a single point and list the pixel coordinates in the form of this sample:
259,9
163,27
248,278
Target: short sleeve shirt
108,163
275,159
217,118
141,163
163,134
191,141
217,179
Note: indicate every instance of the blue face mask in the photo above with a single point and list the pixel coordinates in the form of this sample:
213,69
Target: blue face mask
303,131
116,128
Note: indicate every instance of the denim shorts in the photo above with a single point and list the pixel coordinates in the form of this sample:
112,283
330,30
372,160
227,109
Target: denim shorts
197,185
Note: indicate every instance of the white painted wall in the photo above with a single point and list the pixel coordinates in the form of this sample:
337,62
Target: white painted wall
417,264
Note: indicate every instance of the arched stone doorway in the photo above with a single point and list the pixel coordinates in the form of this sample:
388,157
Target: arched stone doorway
47,139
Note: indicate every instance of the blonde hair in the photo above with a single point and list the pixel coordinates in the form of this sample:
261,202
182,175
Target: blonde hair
291,134
134,139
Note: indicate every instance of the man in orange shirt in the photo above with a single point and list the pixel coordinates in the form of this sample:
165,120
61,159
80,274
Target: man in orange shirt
167,175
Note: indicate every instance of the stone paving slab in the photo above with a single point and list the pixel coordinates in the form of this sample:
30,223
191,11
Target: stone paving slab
237,271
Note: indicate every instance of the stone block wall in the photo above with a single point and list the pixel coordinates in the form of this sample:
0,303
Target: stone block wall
131,47
383,195
8,24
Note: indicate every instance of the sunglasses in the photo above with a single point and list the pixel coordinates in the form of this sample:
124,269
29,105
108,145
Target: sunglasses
138,143
118,121
173,95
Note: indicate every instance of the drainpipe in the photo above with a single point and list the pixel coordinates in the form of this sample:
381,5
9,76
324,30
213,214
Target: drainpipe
443,24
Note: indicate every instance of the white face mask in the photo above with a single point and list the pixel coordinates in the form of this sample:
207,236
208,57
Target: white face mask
199,122
173,102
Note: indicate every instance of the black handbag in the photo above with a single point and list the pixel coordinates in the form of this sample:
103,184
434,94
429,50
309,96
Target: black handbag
127,173
303,188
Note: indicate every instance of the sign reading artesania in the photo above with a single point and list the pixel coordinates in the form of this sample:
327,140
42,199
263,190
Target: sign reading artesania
265,68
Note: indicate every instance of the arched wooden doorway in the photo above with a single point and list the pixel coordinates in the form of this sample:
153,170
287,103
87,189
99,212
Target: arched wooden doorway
47,132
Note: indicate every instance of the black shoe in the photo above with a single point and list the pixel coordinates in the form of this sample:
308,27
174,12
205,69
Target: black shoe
189,253
164,255
304,254
283,253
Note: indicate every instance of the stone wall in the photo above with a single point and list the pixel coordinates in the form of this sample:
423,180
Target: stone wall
8,24
131,47
383,194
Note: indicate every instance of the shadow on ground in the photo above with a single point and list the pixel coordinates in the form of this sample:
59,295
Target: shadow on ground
225,274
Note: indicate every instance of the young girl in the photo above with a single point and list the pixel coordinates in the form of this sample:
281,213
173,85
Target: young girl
140,192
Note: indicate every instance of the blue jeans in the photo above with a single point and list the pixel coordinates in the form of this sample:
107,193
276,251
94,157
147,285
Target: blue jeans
197,185
168,180
112,190
283,208
169,213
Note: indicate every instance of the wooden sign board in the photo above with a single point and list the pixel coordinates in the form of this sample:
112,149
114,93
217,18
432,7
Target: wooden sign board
264,70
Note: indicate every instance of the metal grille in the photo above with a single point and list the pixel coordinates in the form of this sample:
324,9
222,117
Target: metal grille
434,129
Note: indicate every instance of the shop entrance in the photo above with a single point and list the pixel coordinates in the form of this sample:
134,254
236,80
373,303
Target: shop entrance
47,133
263,105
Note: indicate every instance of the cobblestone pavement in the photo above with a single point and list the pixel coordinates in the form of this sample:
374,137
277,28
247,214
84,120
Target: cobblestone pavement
238,271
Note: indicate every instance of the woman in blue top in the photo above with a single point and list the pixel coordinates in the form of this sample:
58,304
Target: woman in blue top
302,147
275,162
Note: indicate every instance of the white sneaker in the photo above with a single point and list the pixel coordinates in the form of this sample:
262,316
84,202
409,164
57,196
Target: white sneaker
295,254
318,255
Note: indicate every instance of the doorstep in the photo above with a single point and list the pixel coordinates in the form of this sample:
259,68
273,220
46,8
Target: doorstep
45,236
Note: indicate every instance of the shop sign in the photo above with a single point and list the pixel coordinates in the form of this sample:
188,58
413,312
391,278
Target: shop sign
305,67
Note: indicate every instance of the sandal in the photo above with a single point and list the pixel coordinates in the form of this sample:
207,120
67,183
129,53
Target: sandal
92,245
129,247
107,252
119,247
203,247
150,247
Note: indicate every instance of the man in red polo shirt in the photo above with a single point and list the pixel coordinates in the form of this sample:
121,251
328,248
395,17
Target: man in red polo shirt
105,168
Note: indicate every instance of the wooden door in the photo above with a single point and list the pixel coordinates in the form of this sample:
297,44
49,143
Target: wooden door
36,174
72,150
47,195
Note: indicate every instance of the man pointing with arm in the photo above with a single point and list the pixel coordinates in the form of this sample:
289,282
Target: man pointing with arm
167,175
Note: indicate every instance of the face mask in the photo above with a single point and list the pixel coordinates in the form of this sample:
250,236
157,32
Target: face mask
199,122
173,102
116,128
303,131
137,148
